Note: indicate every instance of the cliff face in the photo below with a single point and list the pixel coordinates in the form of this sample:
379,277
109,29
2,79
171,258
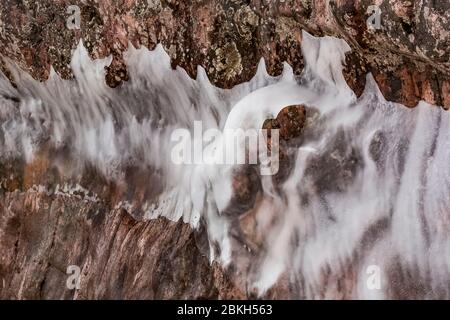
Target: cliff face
123,257
119,257
408,55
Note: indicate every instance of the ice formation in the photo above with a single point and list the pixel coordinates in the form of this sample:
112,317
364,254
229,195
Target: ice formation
370,185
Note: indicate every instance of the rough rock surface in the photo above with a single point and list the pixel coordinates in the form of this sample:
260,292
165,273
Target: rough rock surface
408,55
120,257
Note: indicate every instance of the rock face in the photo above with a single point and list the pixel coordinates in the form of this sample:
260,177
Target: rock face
408,55
120,257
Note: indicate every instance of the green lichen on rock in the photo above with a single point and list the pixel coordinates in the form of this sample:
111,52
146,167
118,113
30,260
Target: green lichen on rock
246,21
228,61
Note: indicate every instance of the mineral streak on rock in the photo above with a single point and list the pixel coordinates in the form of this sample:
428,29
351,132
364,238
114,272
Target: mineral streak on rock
408,56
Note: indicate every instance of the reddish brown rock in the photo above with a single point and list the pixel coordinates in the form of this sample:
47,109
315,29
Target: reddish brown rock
409,55
290,122
120,257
